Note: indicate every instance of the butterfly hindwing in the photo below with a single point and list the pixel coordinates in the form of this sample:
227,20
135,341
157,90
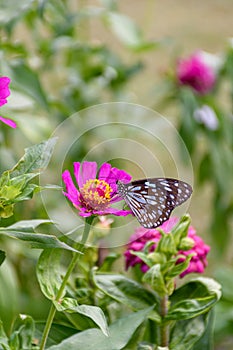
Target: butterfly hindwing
152,200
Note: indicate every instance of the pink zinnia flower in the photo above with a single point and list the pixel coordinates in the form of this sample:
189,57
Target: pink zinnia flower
195,72
4,93
95,194
138,240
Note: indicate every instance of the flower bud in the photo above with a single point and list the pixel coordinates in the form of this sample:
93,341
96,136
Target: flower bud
157,258
196,73
186,243
167,245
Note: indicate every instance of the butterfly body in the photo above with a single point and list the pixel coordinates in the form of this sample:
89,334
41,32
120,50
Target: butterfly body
152,200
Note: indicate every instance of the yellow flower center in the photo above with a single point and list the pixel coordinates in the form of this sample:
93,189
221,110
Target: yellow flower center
96,194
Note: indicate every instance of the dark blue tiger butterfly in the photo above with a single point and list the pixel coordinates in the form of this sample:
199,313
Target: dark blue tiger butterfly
152,200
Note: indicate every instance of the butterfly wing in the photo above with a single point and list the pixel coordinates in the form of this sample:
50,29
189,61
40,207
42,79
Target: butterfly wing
152,200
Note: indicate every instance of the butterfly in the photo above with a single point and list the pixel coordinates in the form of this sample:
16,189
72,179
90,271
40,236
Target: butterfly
152,200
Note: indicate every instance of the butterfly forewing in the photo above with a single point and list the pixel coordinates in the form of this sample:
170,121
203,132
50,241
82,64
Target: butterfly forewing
152,200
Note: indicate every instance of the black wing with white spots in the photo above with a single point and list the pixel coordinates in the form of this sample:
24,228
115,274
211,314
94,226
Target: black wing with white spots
152,200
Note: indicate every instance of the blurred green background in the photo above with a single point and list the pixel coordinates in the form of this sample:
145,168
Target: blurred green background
64,56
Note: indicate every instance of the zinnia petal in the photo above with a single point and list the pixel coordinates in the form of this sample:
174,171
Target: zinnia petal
9,122
77,166
94,196
87,172
119,175
104,172
114,211
4,90
72,193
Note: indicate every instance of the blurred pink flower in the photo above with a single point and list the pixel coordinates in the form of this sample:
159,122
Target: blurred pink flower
95,194
138,240
4,93
196,73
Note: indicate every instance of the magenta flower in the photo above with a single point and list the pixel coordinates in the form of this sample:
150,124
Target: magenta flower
196,73
4,93
138,240
95,194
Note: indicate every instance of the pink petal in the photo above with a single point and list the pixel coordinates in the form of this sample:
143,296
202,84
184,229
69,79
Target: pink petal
4,81
9,122
113,211
72,199
72,192
120,175
87,172
3,101
76,172
85,214
169,224
104,171
4,90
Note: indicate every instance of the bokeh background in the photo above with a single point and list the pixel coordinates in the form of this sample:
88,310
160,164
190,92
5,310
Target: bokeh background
65,56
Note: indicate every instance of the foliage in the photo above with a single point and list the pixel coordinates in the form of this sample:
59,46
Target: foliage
205,125
58,66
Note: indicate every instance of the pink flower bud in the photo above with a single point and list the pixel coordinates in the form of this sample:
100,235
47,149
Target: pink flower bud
196,73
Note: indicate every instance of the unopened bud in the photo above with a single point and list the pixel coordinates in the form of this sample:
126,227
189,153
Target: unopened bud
157,258
186,243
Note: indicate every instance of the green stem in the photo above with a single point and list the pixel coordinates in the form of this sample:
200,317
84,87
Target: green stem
72,265
164,328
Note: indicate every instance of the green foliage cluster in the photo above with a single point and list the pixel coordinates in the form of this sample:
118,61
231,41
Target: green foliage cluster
57,69
210,145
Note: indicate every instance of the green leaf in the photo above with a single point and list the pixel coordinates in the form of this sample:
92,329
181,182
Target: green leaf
14,183
9,295
2,256
108,262
155,279
166,244
205,166
93,312
120,333
125,291
27,81
148,259
124,28
35,159
180,230
206,340
186,333
194,299
13,10
24,333
3,338
57,333
223,275
6,210
22,231
49,272
188,126
127,31
27,225
177,269
27,193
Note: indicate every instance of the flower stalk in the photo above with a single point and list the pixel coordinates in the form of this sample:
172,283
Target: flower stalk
75,258
164,327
